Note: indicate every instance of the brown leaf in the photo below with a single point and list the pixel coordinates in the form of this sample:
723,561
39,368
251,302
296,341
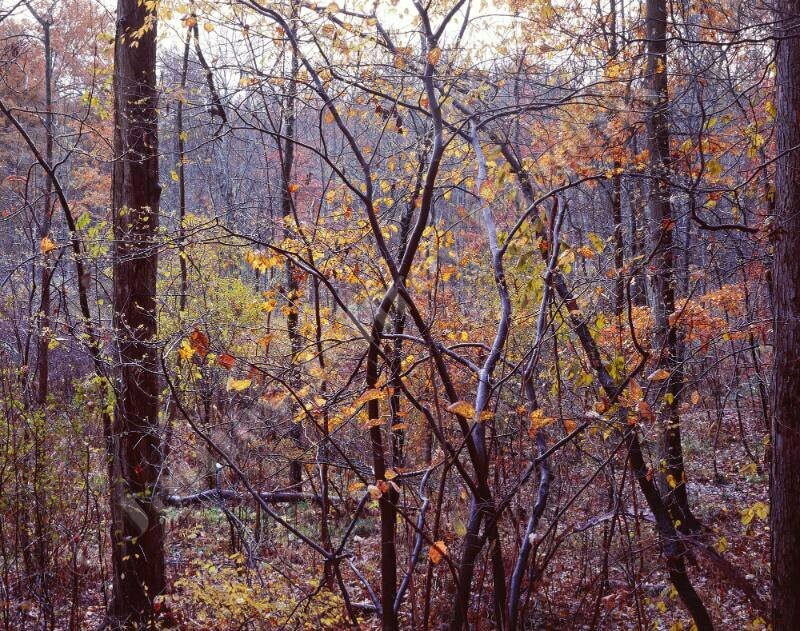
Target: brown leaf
645,411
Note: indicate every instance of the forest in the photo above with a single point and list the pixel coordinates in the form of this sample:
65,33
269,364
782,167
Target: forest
400,314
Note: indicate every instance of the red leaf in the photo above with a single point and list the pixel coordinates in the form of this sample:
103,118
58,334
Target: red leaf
199,342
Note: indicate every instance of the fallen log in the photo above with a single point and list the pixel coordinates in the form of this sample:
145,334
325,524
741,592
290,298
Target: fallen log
226,495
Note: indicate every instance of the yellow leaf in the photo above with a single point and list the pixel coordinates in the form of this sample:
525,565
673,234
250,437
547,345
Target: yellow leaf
658,375
46,245
462,408
597,242
437,552
770,109
487,192
538,420
185,350
713,168
460,528
237,385
434,55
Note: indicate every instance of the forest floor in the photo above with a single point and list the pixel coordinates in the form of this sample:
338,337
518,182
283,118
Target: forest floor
214,587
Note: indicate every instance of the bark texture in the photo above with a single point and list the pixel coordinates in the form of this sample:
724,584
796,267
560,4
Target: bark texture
137,532
785,483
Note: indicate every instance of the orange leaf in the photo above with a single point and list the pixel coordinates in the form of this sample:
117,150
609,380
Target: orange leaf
437,552
538,420
369,395
434,55
462,408
658,375
46,245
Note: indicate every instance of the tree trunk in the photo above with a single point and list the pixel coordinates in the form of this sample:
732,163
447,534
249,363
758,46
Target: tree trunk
663,278
43,357
292,284
785,483
137,533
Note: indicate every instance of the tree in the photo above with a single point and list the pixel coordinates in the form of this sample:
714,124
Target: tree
785,483
136,460
663,280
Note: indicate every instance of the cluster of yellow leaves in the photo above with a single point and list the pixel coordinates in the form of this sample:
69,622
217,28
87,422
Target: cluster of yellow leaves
218,595
759,509
261,261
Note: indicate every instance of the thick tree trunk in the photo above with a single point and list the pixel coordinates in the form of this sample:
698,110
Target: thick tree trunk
785,483
137,533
